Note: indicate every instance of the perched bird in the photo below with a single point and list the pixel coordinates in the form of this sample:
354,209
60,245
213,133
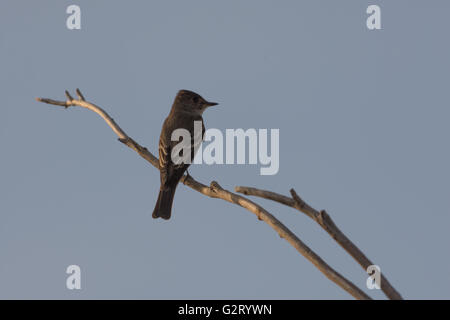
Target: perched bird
187,108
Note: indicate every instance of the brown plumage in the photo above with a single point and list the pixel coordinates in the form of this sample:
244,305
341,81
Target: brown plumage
187,108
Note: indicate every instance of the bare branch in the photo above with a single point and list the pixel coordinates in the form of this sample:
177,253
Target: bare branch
325,221
80,95
216,191
69,97
290,237
84,104
54,102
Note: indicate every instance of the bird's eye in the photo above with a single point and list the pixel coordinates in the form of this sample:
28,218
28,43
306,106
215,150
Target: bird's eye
195,99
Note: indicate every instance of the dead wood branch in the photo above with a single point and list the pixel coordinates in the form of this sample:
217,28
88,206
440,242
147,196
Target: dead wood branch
324,220
216,191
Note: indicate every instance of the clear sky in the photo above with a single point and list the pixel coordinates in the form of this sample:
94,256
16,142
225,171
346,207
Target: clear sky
363,119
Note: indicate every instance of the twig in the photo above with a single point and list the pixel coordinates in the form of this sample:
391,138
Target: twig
325,221
216,191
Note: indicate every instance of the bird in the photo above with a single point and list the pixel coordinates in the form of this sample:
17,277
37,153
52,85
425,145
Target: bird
187,108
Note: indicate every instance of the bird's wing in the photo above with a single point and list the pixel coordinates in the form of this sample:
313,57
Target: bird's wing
196,140
164,159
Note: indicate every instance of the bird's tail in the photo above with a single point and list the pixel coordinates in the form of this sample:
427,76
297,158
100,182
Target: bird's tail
163,207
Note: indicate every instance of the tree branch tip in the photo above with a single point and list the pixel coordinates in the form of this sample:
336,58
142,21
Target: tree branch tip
80,95
299,201
53,102
68,95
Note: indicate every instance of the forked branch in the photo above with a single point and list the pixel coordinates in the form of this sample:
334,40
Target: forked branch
324,220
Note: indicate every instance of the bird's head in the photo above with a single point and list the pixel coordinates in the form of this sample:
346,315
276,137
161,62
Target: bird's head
191,102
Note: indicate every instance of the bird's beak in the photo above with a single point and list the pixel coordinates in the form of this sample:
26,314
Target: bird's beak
210,104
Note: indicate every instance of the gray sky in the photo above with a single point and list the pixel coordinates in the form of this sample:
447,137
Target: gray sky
363,118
